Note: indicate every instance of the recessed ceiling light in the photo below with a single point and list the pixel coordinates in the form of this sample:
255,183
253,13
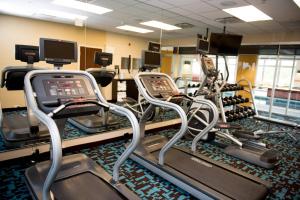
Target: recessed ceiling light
134,29
160,25
297,2
248,13
60,14
82,6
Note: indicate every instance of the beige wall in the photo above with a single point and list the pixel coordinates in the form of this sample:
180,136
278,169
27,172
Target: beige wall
267,38
16,30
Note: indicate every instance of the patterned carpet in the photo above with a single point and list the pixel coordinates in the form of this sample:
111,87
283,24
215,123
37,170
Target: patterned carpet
285,177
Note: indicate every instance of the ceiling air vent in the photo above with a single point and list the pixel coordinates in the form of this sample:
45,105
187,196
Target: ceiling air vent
185,25
228,20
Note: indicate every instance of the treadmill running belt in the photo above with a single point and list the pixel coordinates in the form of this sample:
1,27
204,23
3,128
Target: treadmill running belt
217,178
84,186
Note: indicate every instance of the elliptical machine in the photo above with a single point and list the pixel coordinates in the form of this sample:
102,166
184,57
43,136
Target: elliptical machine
20,128
103,76
211,89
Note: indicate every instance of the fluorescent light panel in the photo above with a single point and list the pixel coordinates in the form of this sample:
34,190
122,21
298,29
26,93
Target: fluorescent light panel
160,25
297,2
60,14
15,9
248,13
134,29
82,6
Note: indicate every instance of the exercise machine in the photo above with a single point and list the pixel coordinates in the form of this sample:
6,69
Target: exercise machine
103,76
54,96
200,176
150,60
19,128
249,151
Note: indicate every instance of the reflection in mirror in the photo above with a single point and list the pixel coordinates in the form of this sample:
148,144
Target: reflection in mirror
25,24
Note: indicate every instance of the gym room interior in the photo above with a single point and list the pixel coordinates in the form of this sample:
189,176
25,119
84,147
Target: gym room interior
150,99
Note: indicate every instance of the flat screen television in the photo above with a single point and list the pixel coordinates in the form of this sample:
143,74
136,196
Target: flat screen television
224,44
151,59
27,53
202,46
58,51
153,46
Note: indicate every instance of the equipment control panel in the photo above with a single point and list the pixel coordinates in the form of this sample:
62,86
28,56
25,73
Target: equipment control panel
54,90
158,86
74,87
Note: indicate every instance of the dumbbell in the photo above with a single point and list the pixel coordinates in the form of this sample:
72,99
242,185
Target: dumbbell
251,111
230,87
226,101
239,114
229,118
232,99
245,111
227,113
237,99
235,87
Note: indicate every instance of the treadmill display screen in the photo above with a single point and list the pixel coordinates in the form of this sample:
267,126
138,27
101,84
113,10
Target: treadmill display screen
66,88
160,85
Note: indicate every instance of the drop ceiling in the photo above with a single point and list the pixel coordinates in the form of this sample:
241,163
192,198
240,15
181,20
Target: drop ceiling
201,14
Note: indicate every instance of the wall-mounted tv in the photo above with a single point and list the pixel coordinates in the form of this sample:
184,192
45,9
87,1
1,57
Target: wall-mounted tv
224,44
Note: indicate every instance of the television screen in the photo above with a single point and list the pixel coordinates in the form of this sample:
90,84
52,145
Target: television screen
26,53
151,58
103,59
58,50
154,47
224,44
202,46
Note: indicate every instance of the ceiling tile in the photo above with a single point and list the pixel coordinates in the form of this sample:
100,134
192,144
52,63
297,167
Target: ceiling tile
215,14
222,4
159,4
199,8
178,3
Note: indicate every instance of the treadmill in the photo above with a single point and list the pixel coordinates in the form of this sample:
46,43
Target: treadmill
200,176
53,96
103,77
27,128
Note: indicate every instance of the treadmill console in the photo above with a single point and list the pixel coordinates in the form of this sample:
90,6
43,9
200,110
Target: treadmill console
158,86
53,90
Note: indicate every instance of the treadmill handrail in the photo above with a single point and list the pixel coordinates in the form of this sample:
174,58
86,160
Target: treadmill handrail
56,147
210,126
177,108
136,133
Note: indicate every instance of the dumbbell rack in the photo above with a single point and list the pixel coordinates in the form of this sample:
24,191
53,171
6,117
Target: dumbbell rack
188,84
234,106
